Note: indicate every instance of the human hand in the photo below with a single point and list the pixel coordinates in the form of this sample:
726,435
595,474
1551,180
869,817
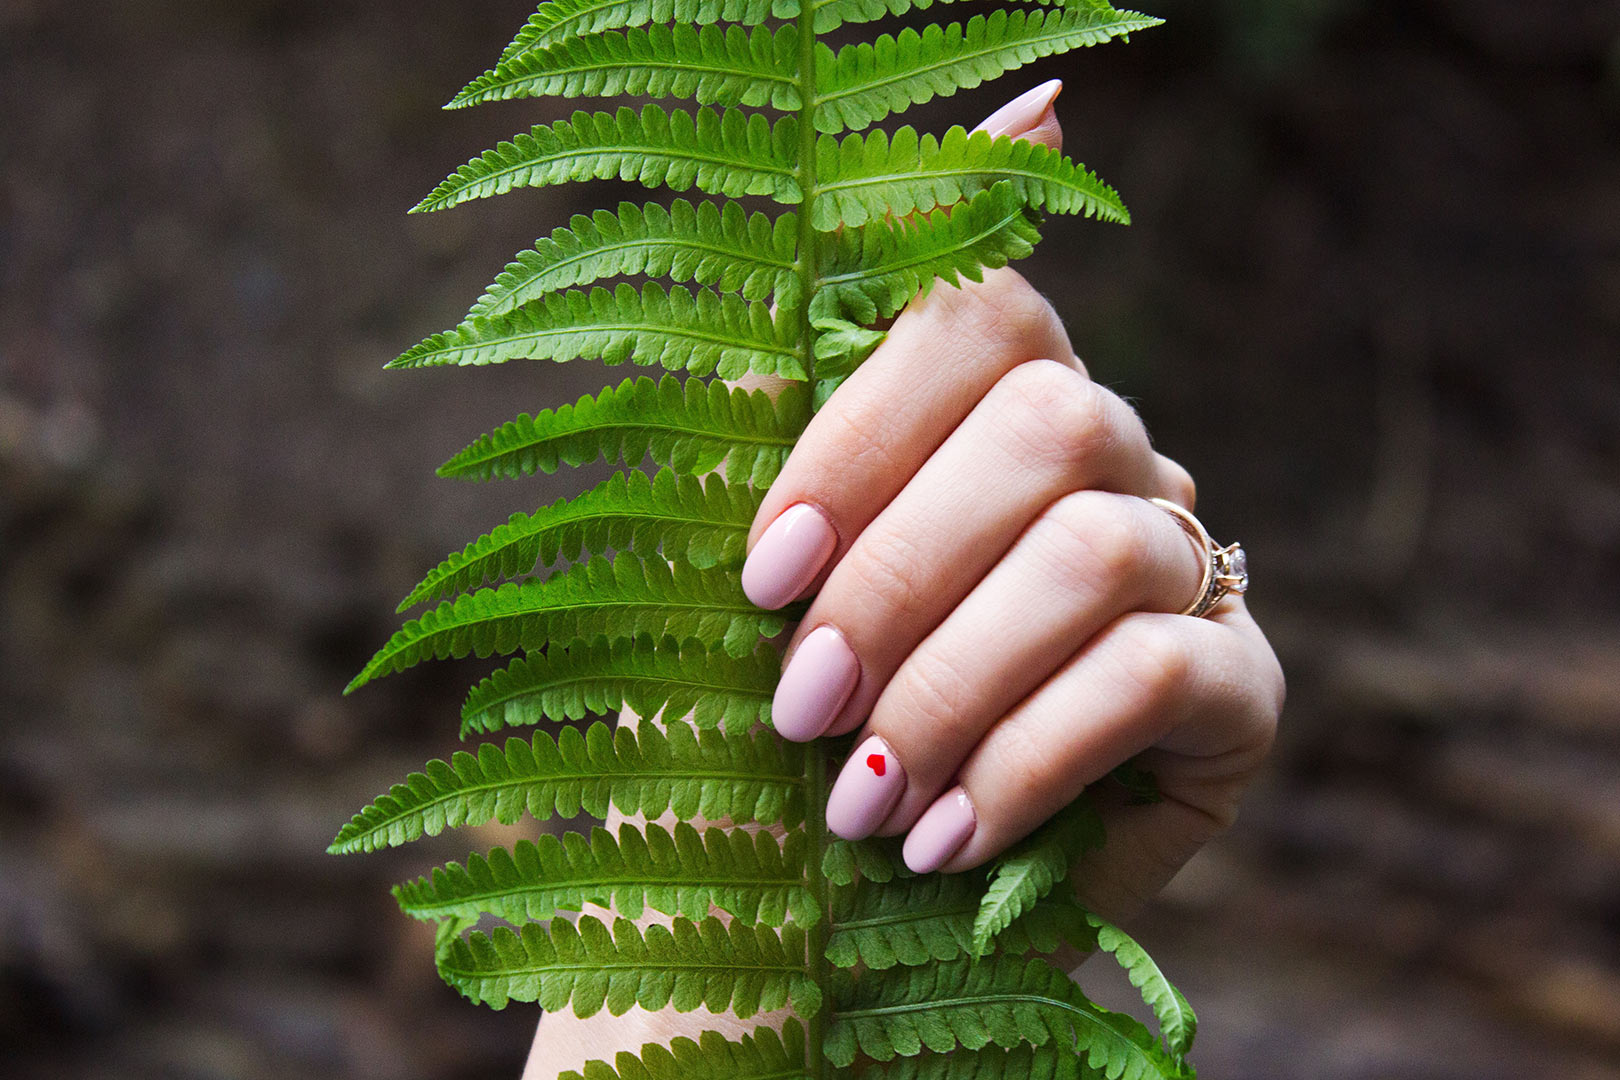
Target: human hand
995,596
1001,585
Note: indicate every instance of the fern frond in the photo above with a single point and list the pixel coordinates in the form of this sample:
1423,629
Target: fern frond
749,876
1029,870
878,269
742,778
831,14
925,919
988,1063
1001,1001
869,80
701,332
862,177
620,599
690,426
721,246
648,677
712,66
1177,1021
741,969
723,153
703,522
651,616
762,1055
560,20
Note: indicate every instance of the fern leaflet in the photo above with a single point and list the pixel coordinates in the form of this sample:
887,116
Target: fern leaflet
751,877
714,687
692,427
703,523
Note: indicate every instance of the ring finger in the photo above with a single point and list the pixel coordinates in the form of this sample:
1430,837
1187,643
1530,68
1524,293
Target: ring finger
1043,431
1089,558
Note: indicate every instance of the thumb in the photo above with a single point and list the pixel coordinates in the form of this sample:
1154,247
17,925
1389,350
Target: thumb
1029,116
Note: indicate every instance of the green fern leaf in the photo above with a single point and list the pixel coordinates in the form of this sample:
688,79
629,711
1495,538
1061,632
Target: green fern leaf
740,778
1001,1001
701,332
875,859
869,80
988,1063
703,522
867,176
650,678
724,153
926,919
878,269
710,65
1029,870
619,599
692,427
741,969
749,876
831,14
720,246
762,1055
560,20
1177,1022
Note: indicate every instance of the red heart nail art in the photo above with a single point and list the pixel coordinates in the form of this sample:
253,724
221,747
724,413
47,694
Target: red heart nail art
877,763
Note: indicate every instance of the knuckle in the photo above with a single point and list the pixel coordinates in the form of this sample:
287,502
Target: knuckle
1024,781
928,689
1003,308
854,436
1014,306
1183,489
1158,660
1058,413
1103,538
888,575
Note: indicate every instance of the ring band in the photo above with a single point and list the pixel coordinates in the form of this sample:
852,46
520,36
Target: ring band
1226,569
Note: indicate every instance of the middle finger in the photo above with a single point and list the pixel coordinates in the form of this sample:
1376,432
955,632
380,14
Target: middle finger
1043,431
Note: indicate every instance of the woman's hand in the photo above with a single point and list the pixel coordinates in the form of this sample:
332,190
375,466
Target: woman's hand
992,610
995,596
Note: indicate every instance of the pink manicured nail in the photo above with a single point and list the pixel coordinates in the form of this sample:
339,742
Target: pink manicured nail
788,556
815,685
1023,112
866,790
940,833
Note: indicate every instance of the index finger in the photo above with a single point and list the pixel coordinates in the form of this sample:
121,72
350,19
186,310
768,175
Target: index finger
941,357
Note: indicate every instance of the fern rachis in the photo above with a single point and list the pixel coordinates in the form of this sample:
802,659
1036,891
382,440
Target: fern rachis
922,975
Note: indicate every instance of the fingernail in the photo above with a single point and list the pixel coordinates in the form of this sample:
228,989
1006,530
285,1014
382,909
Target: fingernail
940,833
815,685
1023,112
866,790
788,556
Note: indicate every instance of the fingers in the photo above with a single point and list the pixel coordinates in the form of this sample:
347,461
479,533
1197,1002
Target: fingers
1043,432
1205,694
1087,559
937,363
1029,116
941,356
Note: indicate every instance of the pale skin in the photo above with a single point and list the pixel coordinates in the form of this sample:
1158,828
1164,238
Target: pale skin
994,611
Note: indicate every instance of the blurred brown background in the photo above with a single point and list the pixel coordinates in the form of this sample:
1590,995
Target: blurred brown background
1372,298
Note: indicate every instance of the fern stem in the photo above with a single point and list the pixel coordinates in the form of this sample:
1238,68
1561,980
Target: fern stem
815,764
815,758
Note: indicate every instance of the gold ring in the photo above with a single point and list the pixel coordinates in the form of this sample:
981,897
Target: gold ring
1226,569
